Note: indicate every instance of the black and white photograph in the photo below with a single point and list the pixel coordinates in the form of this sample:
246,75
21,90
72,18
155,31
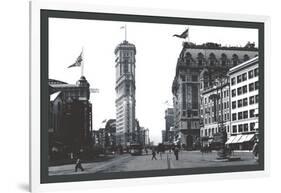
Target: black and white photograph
128,96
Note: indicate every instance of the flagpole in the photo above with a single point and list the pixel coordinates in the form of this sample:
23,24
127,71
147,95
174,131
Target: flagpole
125,32
82,65
188,35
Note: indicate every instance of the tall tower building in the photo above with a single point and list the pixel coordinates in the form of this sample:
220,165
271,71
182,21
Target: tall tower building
125,93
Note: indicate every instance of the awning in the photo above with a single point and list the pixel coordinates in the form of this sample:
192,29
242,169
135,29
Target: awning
242,139
230,140
250,137
236,139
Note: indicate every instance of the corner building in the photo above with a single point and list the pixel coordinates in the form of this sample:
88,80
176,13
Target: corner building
125,93
244,87
192,60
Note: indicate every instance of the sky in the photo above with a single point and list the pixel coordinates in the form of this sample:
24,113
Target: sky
156,58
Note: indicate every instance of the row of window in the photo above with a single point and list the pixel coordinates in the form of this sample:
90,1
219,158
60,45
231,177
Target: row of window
212,131
213,118
224,94
194,78
243,127
244,102
244,89
245,76
243,115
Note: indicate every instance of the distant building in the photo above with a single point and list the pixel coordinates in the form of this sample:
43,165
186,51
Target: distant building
144,136
186,85
110,132
70,116
163,136
169,121
125,93
244,86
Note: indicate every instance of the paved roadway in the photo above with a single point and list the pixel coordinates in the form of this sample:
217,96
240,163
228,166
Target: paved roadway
126,162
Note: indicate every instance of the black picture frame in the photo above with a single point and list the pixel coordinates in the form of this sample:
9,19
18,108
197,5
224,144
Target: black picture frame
45,14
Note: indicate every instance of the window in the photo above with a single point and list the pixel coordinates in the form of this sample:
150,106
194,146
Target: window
234,116
234,128
240,116
240,103
240,128
245,102
246,57
194,78
233,81
257,98
239,78
234,105
252,126
251,74
239,90
244,76
246,127
256,85
251,87
244,89
227,93
245,114
233,92
256,72
252,100
252,113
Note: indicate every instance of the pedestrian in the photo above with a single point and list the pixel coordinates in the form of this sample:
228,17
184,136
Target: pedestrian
146,151
255,149
176,152
78,165
153,155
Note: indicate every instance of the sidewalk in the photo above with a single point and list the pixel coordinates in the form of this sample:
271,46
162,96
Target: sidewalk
93,167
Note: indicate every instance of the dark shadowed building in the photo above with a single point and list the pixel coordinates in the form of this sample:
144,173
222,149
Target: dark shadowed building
70,117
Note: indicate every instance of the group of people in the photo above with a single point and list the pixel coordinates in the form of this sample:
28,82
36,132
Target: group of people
175,150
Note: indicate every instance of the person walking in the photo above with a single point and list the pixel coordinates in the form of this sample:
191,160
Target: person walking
78,165
153,155
176,152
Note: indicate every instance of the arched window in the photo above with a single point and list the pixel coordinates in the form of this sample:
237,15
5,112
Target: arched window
200,59
246,57
235,59
212,59
223,59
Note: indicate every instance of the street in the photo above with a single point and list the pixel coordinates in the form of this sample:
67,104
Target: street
126,162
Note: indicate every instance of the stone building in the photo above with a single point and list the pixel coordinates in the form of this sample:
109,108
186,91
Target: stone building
192,60
125,93
70,116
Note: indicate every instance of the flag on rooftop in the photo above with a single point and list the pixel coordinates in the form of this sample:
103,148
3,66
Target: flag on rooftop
183,35
78,61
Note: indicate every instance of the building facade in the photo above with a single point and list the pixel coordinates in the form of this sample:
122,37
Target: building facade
70,116
169,122
192,60
244,86
125,93
214,110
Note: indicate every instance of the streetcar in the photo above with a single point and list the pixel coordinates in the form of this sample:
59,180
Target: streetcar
136,149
